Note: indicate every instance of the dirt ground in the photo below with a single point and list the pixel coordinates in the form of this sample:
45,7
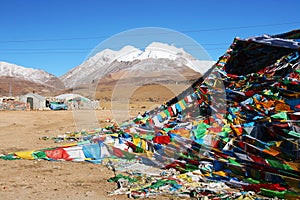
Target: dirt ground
23,130
31,179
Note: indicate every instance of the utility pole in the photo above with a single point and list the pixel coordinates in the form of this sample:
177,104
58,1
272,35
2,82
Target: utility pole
10,90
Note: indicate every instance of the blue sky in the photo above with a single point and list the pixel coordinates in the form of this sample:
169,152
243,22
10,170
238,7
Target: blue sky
57,35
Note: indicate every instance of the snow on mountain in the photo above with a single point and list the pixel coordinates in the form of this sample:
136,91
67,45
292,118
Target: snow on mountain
157,50
160,50
30,74
98,61
108,61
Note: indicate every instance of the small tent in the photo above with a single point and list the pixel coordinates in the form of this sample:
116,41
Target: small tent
72,97
76,101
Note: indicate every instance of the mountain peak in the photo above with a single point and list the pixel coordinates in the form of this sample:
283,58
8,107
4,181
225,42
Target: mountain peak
165,47
155,50
13,70
24,78
108,61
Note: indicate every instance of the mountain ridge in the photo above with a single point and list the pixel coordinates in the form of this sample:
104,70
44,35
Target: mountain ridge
108,61
152,63
31,80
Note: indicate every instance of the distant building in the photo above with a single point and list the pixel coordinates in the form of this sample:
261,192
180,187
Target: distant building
76,101
35,101
5,99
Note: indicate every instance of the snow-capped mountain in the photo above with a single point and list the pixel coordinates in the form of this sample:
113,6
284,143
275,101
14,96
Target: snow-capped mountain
17,76
157,57
30,74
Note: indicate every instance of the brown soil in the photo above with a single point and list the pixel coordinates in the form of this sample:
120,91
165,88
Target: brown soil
32,179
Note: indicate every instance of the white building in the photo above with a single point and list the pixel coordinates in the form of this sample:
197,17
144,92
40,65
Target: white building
36,101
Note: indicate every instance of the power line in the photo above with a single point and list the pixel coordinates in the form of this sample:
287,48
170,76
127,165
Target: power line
58,51
53,39
91,48
45,52
183,31
85,49
84,52
45,49
242,27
